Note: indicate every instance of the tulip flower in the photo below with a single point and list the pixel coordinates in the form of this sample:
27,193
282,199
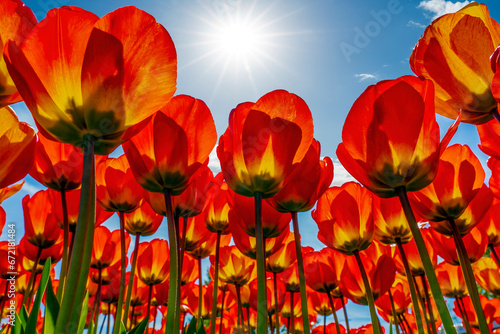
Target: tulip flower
443,55
328,329
390,221
194,199
494,181
487,275
18,148
17,22
104,251
491,226
491,310
392,154
489,135
476,243
396,301
102,63
452,280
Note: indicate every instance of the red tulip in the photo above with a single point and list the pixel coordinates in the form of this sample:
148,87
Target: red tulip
401,142
102,65
345,219
40,224
263,142
414,261
390,221
452,280
143,221
153,262
487,275
217,210
476,243
323,270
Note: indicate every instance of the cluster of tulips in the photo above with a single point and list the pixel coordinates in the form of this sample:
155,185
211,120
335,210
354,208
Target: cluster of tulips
93,84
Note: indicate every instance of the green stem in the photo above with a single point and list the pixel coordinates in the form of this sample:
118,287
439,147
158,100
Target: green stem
276,309
464,315
64,265
97,300
123,253
173,311
29,291
429,304
76,283
109,318
222,310
470,281
292,313
426,261
240,310
183,241
369,295
261,268
345,315
131,278
302,277
413,292
394,315
213,318
148,311
424,308
332,305
200,294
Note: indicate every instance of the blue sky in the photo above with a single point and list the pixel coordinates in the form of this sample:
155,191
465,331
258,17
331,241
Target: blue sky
326,51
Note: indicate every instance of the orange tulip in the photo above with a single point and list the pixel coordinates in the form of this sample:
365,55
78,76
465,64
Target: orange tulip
57,166
390,221
102,67
160,294
476,243
173,146
10,191
200,242
39,221
344,217
462,80
323,269
380,269
107,274
489,135
328,329
400,292
73,200
153,262
235,268
17,149
189,269
143,221
491,310
402,142
117,189
31,252
281,292
459,180
487,275
309,180
491,224
106,245
366,329
319,303
217,210
17,22
452,280
414,261
194,199
263,142
284,258
242,213
494,181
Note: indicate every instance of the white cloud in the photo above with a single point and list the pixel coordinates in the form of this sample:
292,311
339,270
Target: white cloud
213,161
340,174
441,7
30,189
365,76
412,23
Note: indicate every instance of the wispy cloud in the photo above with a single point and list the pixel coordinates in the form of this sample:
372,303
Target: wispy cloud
365,76
340,174
414,24
30,189
441,7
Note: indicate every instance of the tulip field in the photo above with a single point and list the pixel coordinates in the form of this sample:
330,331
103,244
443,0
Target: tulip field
421,224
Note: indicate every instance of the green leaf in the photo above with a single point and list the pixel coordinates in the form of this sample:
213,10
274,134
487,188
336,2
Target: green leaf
390,327
23,317
192,326
51,310
201,330
83,315
33,317
19,323
123,330
141,328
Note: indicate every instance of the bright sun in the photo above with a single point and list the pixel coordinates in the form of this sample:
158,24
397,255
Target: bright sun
239,39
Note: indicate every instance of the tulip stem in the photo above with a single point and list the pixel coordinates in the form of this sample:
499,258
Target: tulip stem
213,319
123,272
429,305
413,292
292,313
332,305
276,308
131,279
150,294
173,314
76,284
31,282
222,310
200,294
240,310
97,300
394,315
302,277
464,315
426,261
369,295
183,241
470,281
324,324
109,318
65,258
495,255
345,315
261,268
248,319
